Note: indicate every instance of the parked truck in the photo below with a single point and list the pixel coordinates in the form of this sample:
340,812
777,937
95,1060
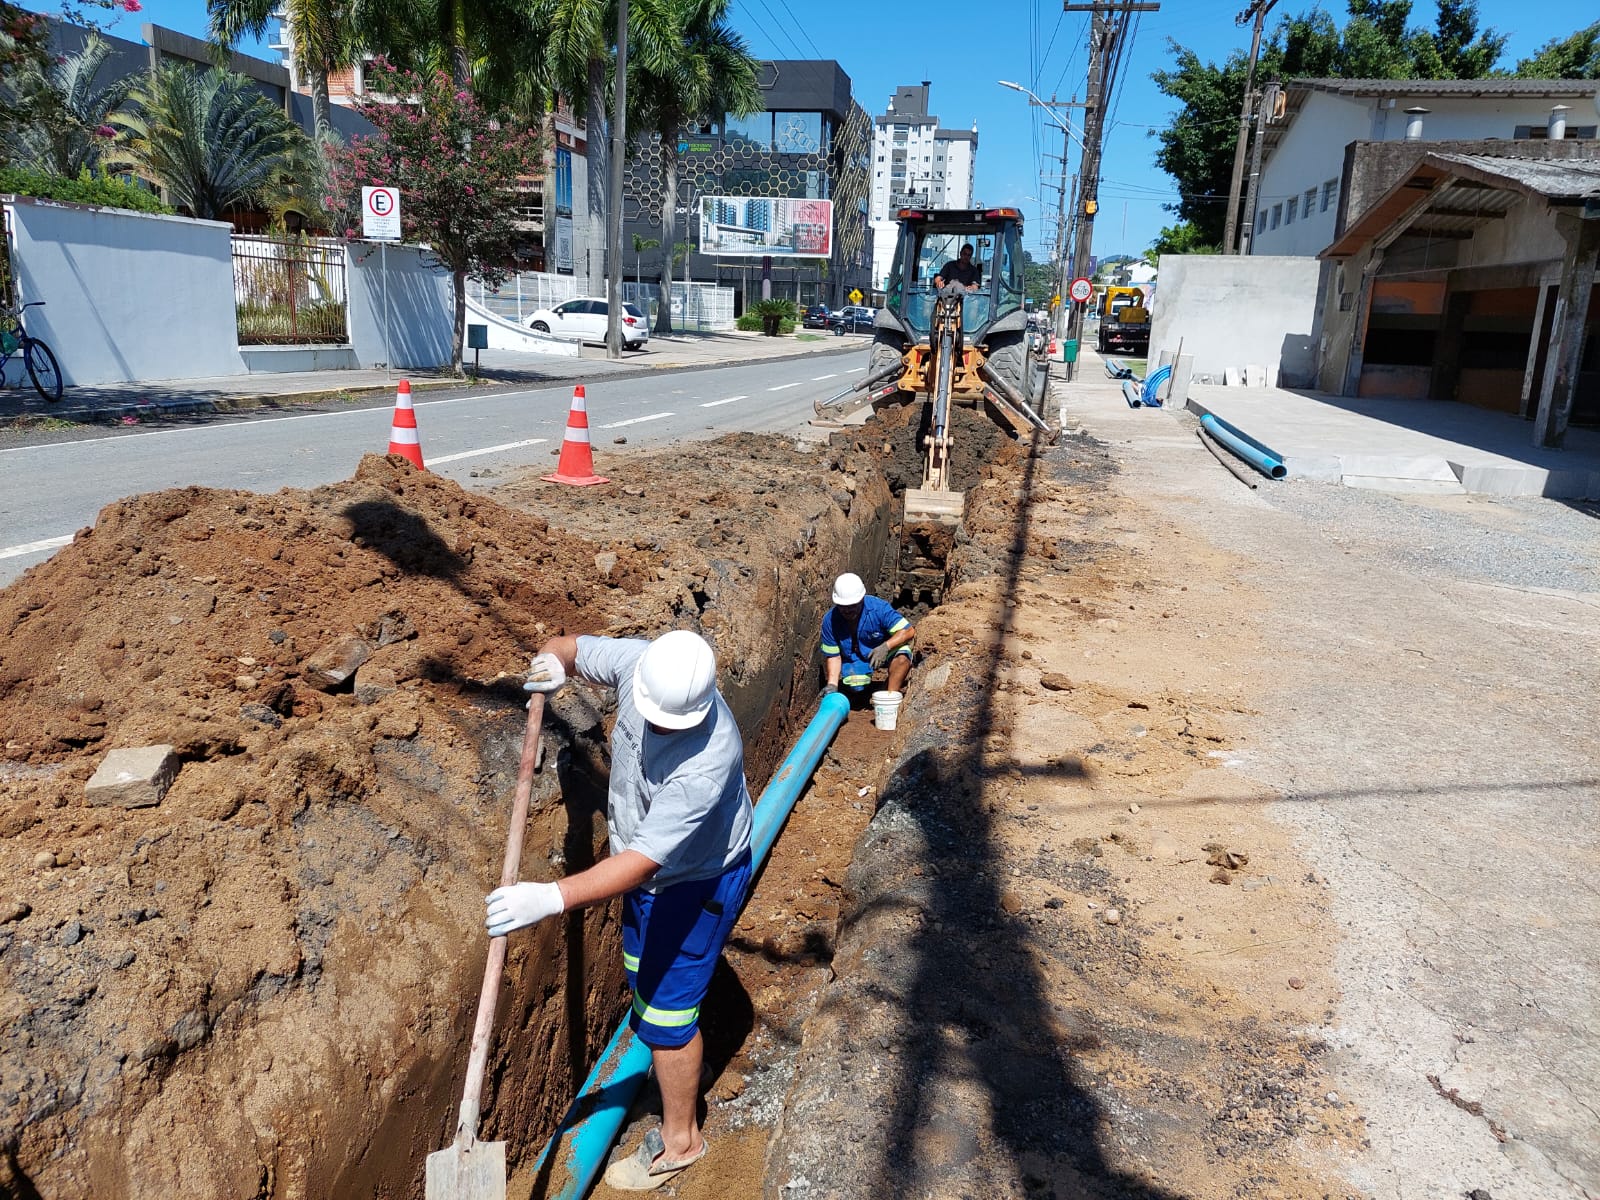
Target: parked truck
1124,321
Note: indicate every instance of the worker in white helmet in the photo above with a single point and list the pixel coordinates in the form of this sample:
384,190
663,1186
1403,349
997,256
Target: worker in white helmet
679,817
862,634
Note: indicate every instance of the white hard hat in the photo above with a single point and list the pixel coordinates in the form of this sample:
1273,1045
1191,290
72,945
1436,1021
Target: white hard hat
848,589
675,681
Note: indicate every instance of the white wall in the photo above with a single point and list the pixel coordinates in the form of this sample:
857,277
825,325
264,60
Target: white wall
421,310
958,167
127,295
1311,153
1230,311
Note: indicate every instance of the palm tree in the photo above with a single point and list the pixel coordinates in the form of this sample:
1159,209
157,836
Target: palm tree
712,75
579,58
210,138
640,245
66,126
322,37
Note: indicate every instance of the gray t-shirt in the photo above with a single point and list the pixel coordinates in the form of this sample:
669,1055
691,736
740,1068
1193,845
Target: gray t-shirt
678,798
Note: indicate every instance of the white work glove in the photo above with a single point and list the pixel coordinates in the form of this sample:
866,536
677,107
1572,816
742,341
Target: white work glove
879,656
545,674
521,904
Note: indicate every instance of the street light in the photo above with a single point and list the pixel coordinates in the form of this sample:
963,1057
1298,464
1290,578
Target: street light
1049,110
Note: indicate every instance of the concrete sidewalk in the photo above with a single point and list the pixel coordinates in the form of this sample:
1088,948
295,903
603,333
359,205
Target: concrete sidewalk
501,369
1399,446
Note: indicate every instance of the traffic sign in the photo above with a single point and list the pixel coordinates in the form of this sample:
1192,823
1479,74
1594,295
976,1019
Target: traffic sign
380,214
1081,290
856,296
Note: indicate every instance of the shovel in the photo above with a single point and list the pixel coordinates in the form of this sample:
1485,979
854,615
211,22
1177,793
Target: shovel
469,1169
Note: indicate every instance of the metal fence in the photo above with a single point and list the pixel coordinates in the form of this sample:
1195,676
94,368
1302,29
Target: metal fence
704,307
290,291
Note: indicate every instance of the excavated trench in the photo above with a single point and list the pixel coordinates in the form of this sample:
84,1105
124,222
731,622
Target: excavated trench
263,986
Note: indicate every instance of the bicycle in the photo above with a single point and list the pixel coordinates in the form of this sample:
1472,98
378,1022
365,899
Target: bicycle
40,360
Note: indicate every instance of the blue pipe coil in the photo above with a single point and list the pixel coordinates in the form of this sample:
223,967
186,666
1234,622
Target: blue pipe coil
586,1134
1260,456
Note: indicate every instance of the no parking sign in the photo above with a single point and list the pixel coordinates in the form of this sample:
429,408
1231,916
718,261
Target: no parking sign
380,214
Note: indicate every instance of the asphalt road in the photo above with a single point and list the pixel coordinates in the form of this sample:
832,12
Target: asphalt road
50,490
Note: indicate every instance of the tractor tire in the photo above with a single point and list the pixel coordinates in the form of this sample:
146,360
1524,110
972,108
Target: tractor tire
886,348
1008,358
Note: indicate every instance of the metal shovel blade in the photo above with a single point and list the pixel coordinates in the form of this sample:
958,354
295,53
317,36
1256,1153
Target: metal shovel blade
475,1172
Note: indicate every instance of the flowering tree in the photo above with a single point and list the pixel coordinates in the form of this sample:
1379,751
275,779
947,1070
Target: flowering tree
457,166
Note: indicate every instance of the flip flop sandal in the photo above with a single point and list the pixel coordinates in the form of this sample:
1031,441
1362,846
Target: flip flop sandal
646,1168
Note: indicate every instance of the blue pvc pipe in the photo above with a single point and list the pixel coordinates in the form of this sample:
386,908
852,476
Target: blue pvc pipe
1259,455
584,1138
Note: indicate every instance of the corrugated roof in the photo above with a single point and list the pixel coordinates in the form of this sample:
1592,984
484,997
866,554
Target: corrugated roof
1450,87
1561,181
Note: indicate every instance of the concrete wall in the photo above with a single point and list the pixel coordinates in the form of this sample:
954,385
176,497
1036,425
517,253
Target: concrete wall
1232,311
127,295
421,308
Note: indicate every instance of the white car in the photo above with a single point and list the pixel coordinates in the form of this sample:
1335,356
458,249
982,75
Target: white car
583,319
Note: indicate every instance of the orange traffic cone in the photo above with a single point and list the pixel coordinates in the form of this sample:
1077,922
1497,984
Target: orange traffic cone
403,432
576,464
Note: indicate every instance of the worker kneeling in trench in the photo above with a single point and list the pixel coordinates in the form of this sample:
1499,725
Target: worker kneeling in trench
862,634
679,819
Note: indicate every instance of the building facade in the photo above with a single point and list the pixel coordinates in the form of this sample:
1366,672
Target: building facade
915,162
1300,203
812,141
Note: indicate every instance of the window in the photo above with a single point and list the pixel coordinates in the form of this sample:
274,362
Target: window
1261,221
1330,189
1536,132
1308,204
754,130
1277,214
796,132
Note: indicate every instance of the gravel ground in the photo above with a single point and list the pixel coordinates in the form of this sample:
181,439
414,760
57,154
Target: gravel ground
1521,542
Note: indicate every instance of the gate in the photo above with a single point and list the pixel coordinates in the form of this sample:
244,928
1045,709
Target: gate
289,291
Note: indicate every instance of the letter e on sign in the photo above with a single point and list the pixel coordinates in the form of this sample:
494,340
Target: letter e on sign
380,214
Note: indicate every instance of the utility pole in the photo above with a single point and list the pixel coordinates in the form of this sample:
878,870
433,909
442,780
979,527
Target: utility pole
1108,25
1265,109
619,143
1230,232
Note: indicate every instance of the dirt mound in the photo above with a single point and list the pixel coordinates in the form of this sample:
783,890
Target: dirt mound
243,928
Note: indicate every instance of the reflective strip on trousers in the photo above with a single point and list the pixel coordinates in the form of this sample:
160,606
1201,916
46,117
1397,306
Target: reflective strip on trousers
664,1017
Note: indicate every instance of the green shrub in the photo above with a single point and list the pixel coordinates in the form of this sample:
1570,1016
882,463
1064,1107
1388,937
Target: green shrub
751,322
782,309
103,190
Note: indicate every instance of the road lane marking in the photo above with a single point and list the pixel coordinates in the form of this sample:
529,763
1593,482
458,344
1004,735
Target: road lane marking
636,420
444,458
782,386
819,378
35,547
853,370
717,403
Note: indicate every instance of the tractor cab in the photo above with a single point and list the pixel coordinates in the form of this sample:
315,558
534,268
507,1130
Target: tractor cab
930,239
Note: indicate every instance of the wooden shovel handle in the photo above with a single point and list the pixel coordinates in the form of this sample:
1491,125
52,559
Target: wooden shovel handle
483,1031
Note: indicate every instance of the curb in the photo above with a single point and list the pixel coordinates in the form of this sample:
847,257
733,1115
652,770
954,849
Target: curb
223,405
216,404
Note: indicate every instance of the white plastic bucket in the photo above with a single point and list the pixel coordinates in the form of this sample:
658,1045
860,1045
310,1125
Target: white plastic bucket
886,709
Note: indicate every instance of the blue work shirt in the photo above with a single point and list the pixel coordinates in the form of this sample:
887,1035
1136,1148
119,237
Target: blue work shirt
879,622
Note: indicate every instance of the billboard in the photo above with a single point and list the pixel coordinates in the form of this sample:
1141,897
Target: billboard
755,226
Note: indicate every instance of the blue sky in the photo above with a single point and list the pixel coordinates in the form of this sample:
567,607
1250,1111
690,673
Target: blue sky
963,48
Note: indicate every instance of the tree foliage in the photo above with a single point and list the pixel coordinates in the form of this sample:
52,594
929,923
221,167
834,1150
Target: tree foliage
1182,238
1377,41
209,138
64,122
457,164
101,191
1573,57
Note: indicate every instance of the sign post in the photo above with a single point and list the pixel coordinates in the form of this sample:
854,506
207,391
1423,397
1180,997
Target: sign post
380,222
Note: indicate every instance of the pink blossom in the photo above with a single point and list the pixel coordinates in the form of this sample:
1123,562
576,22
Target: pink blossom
105,131
132,6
